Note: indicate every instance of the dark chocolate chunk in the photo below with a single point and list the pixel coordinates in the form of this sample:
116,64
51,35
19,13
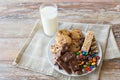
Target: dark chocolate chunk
74,65
65,48
67,56
64,66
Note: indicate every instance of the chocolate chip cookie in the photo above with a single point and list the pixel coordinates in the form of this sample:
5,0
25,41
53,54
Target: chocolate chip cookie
63,39
76,34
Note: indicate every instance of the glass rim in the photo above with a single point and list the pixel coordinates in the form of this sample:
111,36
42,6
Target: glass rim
47,4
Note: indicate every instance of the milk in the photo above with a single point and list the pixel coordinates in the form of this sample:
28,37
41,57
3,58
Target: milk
49,20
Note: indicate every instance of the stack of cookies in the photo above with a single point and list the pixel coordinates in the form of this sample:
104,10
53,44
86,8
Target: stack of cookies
74,53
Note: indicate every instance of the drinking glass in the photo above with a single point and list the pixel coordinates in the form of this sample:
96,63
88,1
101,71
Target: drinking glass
48,12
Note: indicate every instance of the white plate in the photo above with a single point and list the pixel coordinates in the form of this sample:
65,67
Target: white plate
50,59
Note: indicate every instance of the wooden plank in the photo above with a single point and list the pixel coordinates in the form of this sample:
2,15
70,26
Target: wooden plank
10,47
60,1
15,28
110,70
30,10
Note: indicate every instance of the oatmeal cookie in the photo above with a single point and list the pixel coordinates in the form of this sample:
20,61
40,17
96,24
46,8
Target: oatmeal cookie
56,48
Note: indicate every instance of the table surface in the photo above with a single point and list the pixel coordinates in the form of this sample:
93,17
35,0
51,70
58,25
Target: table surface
17,18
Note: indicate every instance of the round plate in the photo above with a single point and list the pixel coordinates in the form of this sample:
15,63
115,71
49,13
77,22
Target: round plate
50,59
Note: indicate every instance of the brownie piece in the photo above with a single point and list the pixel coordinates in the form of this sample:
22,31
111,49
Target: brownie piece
74,65
64,66
67,56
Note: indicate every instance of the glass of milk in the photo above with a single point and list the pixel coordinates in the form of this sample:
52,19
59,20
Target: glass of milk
48,12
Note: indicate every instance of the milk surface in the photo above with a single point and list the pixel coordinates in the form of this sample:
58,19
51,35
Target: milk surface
49,20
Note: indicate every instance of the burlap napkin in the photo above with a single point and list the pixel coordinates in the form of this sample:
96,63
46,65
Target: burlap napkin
33,55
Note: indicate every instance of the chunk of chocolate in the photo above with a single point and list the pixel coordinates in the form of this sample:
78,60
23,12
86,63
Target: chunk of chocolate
67,56
64,66
65,48
74,65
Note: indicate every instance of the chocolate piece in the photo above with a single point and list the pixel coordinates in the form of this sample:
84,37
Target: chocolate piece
74,65
64,66
67,56
65,48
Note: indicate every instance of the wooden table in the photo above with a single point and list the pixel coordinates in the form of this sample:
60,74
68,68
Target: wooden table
17,20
